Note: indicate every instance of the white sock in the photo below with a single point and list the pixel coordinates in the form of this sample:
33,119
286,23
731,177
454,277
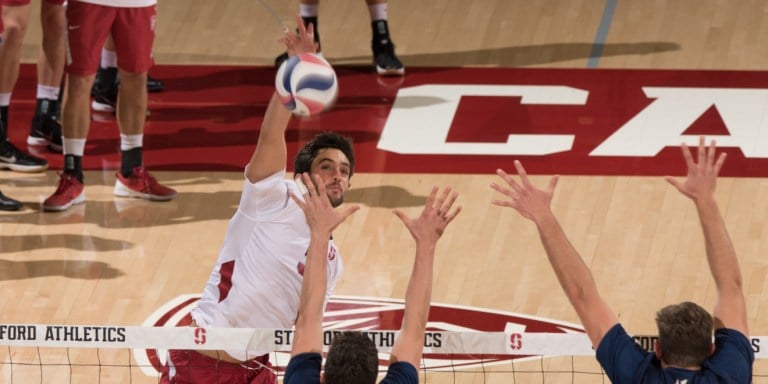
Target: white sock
48,92
378,11
128,142
308,10
5,99
108,58
73,146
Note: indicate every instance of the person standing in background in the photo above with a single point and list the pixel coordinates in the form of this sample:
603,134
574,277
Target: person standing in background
132,25
384,58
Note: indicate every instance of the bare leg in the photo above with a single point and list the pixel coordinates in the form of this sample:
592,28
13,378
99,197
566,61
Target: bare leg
15,19
132,102
50,65
76,114
46,127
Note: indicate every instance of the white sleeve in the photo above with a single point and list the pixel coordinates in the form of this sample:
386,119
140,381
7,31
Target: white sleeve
334,274
265,197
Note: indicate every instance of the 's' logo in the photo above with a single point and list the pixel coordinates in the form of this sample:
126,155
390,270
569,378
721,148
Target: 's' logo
200,336
515,341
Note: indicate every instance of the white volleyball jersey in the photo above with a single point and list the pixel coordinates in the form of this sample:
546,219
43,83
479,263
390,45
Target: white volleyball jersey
122,3
256,281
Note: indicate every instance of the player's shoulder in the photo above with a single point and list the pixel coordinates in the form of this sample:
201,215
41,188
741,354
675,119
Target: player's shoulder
304,368
401,372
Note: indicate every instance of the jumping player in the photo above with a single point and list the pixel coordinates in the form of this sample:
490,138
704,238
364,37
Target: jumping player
258,275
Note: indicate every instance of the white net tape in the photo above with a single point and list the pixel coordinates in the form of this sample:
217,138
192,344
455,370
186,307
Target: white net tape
46,353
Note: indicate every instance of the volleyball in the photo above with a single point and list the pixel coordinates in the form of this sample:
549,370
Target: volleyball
306,84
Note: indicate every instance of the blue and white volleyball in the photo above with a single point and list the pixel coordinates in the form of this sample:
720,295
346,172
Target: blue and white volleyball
306,84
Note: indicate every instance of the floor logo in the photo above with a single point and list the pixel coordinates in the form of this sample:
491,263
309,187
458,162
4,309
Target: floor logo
367,313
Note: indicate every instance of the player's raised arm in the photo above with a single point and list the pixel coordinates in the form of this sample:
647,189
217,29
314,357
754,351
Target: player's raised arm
322,219
699,185
270,155
426,229
573,274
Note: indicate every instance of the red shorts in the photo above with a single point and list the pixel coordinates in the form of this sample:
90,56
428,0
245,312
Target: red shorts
16,3
190,367
132,29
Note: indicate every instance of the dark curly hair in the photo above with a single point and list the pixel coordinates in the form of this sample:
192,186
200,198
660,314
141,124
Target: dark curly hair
352,359
303,161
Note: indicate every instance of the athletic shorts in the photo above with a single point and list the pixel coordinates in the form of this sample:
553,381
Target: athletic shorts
88,25
190,367
15,3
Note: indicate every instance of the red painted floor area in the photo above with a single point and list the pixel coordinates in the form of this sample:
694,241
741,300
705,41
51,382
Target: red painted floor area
208,119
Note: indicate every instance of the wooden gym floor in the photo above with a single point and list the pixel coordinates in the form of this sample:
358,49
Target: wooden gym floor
114,261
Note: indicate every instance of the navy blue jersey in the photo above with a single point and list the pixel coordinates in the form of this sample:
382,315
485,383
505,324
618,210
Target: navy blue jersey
625,362
304,368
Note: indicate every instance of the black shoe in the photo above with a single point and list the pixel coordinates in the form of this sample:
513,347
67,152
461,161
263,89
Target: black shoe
103,75
280,59
154,85
8,204
104,90
14,159
385,60
46,128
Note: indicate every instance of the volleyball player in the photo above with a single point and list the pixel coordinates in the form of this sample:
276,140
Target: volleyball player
684,352
132,24
352,357
45,128
257,278
6,203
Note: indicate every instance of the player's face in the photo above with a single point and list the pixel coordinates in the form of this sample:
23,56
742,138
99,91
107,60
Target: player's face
333,168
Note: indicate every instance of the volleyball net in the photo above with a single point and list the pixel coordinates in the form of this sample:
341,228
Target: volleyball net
35,353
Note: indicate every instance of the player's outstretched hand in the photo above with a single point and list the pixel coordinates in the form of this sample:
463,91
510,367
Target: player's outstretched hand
531,202
317,207
702,172
301,41
438,212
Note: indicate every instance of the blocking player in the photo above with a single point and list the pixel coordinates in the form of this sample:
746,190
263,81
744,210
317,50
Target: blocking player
684,352
352,357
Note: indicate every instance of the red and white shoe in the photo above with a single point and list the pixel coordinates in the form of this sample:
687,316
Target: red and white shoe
69,192
142,185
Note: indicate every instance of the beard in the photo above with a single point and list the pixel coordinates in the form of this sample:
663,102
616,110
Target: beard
336,201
